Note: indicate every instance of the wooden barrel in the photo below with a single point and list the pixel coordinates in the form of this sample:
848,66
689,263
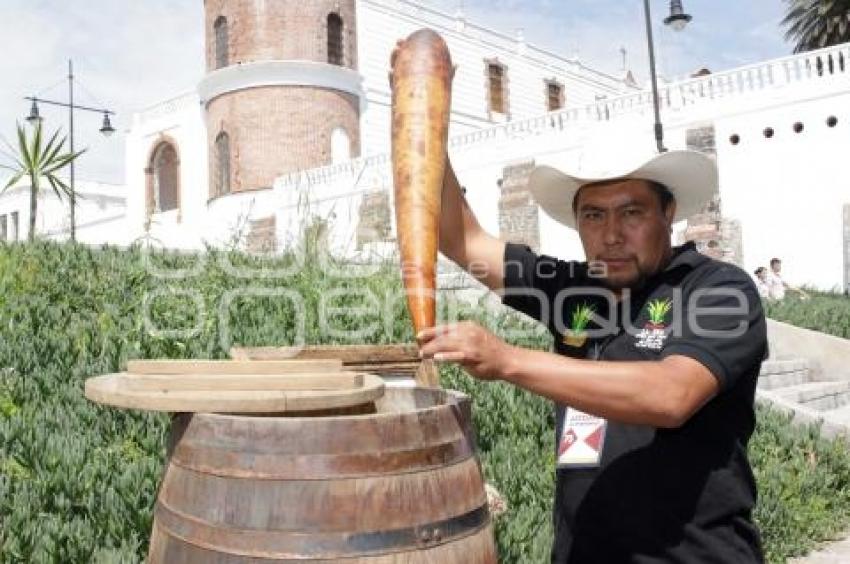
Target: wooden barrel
399,484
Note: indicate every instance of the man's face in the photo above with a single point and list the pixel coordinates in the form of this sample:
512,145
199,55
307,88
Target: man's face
776,266
622,226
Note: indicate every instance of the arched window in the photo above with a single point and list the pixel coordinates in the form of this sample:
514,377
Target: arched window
335,48
222,164
166,178
221,42
340,146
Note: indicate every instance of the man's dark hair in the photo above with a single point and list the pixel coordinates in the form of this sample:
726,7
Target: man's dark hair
665,196
759,270
774,261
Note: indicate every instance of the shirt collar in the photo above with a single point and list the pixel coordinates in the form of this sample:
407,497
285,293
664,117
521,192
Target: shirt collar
685,255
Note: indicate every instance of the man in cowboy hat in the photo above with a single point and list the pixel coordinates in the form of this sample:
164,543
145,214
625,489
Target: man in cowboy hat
656,356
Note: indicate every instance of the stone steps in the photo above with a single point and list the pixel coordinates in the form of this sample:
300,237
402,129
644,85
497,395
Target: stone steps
818,395
840,416
776,374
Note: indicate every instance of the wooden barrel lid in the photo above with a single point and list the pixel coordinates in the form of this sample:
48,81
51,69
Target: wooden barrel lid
235,387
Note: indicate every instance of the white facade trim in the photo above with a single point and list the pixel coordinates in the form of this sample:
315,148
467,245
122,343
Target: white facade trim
279,73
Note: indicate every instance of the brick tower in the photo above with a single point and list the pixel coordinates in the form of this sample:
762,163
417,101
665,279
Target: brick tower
282,91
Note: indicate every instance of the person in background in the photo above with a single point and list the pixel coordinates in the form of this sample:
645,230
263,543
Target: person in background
762,282
777,286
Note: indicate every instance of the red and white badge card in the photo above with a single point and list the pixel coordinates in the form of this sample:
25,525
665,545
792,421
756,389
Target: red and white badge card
581,441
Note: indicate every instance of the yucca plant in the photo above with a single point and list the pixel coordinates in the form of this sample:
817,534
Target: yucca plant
576,337
38,162
658,310
814,24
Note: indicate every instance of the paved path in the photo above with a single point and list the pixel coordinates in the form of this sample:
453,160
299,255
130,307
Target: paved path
833,553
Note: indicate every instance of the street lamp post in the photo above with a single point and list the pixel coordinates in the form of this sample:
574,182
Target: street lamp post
106,129
677,19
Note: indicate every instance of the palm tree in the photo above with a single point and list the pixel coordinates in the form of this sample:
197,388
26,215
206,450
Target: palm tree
814,24
39,162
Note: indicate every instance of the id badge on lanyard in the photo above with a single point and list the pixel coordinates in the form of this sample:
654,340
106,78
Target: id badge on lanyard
582,436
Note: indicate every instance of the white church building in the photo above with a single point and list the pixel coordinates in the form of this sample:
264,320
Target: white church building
290,127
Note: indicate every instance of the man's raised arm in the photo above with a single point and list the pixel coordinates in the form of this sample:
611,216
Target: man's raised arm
464,241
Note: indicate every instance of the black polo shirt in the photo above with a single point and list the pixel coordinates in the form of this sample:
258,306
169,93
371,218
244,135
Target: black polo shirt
656,495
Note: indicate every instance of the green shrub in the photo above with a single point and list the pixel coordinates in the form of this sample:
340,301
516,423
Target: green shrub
804,485
78,481
825,312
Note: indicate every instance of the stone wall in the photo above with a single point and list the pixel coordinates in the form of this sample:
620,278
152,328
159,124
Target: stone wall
375,223
714,235
518,212
261,236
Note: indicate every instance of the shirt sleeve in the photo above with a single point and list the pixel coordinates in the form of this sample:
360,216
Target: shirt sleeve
532,282
722,327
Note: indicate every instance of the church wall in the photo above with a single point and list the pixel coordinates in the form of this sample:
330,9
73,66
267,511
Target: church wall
788,190
382,23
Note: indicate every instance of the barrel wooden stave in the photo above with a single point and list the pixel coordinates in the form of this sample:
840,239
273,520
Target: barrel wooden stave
399,501
400,485
477,548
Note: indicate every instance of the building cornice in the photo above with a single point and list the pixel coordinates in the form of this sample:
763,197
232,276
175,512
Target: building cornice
280,73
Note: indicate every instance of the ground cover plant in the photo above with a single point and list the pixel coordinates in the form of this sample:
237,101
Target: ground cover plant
78,481
825,312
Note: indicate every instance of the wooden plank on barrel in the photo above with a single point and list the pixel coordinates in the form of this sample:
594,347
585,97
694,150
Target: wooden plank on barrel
233,366
113,389
237,382
348,354
387,368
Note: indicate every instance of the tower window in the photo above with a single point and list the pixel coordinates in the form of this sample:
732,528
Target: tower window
496,87
166,176
222,164
554,95
221,42
335,48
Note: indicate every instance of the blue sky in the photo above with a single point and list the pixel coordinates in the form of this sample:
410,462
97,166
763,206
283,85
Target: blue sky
129,54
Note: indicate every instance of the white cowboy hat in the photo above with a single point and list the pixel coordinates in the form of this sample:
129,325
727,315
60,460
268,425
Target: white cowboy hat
689,175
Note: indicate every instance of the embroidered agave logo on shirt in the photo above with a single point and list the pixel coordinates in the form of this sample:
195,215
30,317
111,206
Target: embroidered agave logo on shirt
576,336
653,335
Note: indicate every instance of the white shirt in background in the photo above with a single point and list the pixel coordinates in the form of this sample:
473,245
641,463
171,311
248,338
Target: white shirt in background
775,286
762,287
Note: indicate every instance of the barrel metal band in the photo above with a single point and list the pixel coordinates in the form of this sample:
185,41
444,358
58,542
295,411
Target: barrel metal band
234,464
301,545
